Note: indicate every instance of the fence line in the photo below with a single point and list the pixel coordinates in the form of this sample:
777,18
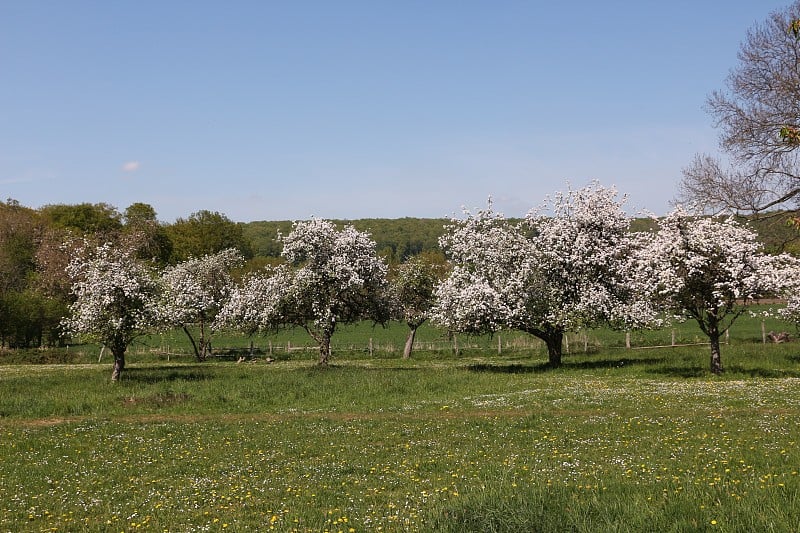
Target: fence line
574,343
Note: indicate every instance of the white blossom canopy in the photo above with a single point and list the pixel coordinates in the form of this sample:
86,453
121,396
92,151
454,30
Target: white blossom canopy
198,287
548,274
115,296
332,276
711,268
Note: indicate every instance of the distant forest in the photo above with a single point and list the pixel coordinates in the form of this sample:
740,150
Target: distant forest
398,239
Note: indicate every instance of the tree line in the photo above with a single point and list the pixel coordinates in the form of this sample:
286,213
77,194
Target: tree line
574,267
37,244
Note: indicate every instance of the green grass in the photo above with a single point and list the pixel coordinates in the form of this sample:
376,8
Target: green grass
616,440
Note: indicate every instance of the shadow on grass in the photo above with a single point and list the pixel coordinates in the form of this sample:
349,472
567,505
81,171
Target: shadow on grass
167,374
763,372
330,368
605,363
509,369
732,371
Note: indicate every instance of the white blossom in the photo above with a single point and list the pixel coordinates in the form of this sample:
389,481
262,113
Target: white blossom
710,270
332,276
195,290
546,275
115,298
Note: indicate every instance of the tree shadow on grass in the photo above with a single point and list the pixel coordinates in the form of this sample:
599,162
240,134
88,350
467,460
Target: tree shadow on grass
314,368
763,372
516,368
595,364
732,371
166,374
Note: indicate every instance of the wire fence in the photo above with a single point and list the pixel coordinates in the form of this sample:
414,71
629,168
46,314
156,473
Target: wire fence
502,343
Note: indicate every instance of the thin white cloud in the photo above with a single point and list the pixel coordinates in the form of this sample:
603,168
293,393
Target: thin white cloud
131,166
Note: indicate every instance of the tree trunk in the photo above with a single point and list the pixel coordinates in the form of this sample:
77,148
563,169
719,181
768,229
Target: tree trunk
324,350
194,344
711,329
119,362
716,357
409,342
553,339
553,342
204,344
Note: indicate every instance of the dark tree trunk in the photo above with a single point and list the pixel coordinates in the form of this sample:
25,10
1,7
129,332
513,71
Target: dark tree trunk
324,349
409,342
716,356
205,345
194,344
553,339
710,326
119,362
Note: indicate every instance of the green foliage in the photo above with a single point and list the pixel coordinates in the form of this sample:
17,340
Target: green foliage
263,236
145,234
30,319
139,213
396,239
85,218
205,233
794,27
399,239
777,231
18,232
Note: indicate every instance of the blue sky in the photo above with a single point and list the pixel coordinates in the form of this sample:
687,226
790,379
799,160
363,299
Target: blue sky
351,109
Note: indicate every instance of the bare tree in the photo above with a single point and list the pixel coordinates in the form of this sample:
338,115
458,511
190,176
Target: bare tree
758,116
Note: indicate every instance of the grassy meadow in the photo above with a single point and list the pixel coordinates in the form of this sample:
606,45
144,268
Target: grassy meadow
616,440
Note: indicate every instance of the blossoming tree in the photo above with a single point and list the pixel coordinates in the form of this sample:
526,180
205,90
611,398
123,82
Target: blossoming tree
546,275
331,277
413,287
114,299
792,310
710,270
194,291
